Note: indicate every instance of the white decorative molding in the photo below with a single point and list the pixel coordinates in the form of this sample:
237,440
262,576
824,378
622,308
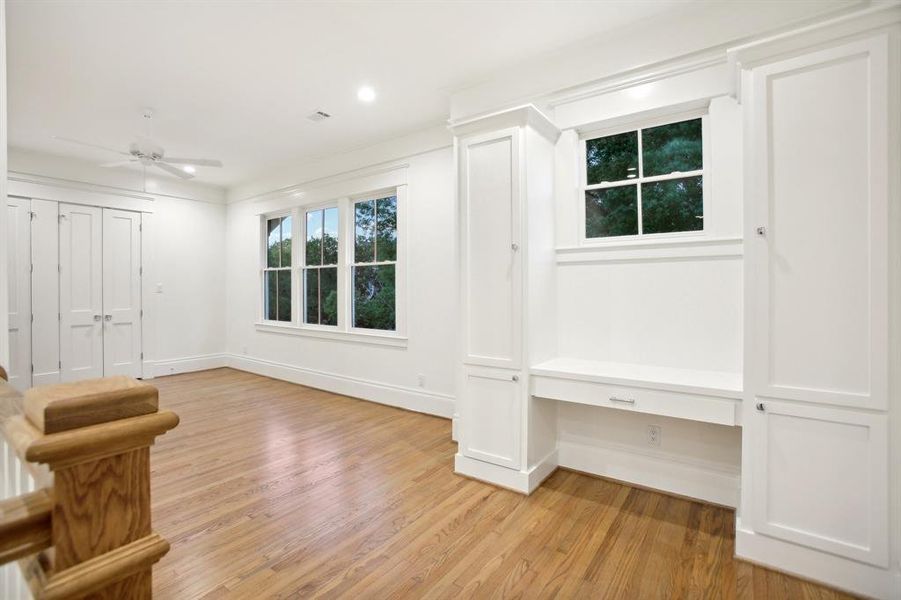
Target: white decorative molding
524,482
408,398
28,185
354,337
693,479
184,364
670,249
802,561
527,114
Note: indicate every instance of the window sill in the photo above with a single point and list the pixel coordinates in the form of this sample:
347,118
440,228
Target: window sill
636,250
376,339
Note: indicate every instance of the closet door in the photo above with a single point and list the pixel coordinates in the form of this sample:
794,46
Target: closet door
491,263
45,275
121,293
819,213
19,256
81,292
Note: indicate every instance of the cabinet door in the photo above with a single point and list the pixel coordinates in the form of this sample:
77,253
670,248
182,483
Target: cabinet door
121,293
820,478
80,287
818,213
490,261
491,416
18,249
45,328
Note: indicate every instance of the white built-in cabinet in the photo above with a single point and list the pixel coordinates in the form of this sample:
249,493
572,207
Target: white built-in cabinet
505,165
75,291
817,362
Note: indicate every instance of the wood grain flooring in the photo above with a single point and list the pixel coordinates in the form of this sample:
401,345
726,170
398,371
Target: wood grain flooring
272,490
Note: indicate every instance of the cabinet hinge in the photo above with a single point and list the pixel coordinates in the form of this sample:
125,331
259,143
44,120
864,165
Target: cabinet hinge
32,317
31,217
140,270
32,267
32,369
142,356
142,313
140,227
60,365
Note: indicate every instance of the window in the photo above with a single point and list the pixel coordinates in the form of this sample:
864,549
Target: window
647,181
277,272
349,280
320,273
374,263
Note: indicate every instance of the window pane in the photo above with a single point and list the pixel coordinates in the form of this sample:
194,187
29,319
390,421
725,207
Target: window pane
273,243
612,158
364,227
611,211
284,295
328,278
311,292
314,238
330,237
673,205
386,228
374,297
670,148
286,242
271,295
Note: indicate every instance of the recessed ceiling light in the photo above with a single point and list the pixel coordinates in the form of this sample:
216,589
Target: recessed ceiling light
189,169
366,94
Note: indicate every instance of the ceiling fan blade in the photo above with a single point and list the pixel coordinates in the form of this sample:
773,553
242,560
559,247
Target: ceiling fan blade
197,162
172,170
88,144
119,163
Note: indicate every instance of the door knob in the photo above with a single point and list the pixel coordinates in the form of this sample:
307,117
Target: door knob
107,317
96,317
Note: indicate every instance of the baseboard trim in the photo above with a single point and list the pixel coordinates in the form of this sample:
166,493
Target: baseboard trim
841,573
185,364
431,403
523,482
716,486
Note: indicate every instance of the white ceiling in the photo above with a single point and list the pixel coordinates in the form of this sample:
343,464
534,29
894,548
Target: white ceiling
235,80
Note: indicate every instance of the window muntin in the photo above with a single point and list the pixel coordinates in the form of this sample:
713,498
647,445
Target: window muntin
374,267
320,271
277,272
644,182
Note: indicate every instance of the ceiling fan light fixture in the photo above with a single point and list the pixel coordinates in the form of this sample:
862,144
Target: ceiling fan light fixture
366,94
189,169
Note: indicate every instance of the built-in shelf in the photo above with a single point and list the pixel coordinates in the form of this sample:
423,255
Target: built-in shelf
709,383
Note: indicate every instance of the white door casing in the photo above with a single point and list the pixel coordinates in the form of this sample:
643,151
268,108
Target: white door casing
121,293
19,257
81,292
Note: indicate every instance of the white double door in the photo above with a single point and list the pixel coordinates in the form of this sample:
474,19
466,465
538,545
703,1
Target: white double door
99,292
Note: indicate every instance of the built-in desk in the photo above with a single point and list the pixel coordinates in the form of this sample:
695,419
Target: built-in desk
708,396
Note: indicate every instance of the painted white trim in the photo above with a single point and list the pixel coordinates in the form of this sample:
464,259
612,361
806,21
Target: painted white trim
335,335
691,479
67,191
517,116
524,482
184,364
805,562
432,403
652,249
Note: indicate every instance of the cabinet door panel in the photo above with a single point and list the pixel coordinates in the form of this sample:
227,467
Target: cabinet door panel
491,266
820,478
819,270
491,414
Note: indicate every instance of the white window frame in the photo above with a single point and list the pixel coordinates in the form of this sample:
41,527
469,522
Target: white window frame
264,264
302,298
638,126
344,330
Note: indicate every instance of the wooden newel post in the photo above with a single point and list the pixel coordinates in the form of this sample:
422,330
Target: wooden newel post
95,437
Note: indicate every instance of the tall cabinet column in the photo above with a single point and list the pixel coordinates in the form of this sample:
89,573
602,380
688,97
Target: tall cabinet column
505,167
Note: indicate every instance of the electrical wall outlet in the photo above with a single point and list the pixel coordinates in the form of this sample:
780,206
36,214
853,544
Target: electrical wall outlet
653,435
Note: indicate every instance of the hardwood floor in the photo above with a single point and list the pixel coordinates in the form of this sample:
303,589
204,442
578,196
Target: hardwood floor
269,489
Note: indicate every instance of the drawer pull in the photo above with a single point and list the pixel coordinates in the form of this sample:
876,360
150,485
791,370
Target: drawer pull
622,400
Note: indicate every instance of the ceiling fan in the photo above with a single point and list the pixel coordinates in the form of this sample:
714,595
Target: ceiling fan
150,154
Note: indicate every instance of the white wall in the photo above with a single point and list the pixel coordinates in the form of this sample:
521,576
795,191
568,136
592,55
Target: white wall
384,374
185,228
4,277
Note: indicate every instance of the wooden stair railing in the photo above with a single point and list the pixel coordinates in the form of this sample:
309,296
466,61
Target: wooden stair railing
86,531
